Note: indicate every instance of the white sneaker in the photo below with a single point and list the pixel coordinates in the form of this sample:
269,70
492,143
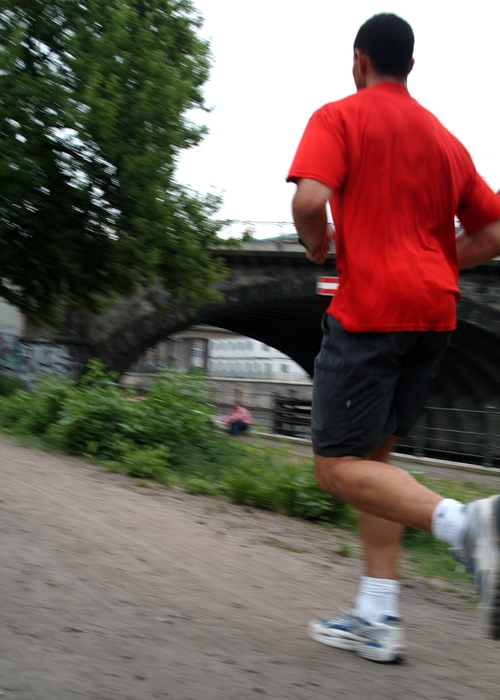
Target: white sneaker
480,554
385,641
377,641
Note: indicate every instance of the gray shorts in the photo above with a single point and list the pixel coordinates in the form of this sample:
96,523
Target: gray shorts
369,386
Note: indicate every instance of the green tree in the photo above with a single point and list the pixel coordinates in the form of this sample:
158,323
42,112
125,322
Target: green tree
94,102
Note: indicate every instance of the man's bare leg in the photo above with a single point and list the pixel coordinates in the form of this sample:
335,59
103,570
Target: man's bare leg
381,538
381,544
376,602
377,488
379,588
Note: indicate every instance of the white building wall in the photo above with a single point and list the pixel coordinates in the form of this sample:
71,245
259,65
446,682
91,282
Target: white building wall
245,357
223,354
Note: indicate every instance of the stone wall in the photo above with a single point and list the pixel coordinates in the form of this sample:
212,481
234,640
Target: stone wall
41,358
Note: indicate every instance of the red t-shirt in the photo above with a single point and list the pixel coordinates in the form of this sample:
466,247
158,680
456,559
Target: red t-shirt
399,179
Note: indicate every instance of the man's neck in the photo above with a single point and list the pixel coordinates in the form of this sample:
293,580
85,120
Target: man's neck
375,78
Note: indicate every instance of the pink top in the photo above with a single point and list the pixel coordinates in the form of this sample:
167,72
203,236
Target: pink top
239,414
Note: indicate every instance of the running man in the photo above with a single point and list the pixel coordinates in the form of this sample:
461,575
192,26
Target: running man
395,179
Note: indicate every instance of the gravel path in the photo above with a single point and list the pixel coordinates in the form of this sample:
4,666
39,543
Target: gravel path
112,590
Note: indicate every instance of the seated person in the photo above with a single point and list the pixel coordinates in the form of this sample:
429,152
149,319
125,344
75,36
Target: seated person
239,420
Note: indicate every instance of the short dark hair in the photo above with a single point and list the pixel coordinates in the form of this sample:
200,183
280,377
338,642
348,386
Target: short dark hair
388,40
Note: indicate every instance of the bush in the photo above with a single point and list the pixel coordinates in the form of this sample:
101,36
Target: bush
26,412
202,487
276,483
94,420
175,412
171,430
46,404
210,461
9,384
148,463
12,411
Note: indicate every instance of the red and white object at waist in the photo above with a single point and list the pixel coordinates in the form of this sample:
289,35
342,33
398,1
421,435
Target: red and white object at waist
327,286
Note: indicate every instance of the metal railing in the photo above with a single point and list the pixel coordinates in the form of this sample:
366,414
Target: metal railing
292,416
461,435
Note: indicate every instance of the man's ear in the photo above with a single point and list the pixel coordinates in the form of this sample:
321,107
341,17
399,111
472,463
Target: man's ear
363,61
412,63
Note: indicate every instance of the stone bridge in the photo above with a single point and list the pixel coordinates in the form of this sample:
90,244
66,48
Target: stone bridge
270,295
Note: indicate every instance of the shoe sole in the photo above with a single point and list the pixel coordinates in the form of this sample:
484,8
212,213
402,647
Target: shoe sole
381,656
357,646
493,613
338,642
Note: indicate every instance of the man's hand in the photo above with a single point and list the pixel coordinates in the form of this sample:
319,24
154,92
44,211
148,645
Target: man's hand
319,254
478,246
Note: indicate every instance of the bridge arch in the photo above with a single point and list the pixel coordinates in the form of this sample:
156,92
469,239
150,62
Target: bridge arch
270,295
288,318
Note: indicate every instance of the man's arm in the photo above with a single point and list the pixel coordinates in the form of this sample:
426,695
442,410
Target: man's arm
478,246
309,215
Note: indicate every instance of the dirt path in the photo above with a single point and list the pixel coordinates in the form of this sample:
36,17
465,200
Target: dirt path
111,590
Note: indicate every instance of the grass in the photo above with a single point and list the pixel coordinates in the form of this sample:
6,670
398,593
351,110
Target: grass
432,564
344,550
460,490
424,555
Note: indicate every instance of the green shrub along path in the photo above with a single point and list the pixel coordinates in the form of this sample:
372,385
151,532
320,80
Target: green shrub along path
170,437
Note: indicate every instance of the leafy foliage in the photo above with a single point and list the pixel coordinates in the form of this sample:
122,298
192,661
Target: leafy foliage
93,103
271,480
168,436
93,420
33,413
148,463
9,384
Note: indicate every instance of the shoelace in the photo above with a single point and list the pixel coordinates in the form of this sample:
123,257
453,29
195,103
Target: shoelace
350,619
378,633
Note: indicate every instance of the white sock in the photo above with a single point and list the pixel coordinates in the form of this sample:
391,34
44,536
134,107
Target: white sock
450,522
377,598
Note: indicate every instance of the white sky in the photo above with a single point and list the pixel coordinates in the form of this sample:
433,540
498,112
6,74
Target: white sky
276,61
